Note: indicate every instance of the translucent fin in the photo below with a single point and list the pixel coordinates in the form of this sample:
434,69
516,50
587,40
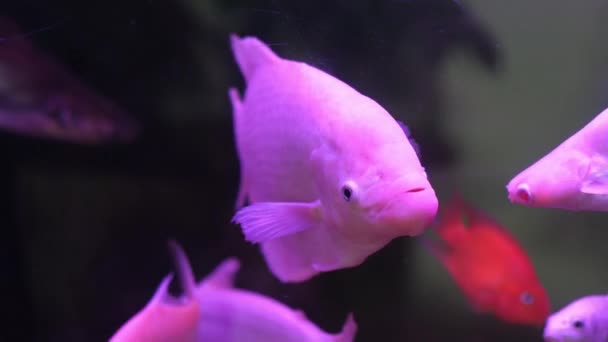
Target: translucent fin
250,53
596,183
264,221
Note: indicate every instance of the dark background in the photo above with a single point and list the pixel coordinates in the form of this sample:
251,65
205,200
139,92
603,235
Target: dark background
85,227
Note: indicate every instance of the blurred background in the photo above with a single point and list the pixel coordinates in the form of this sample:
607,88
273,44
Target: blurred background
486,88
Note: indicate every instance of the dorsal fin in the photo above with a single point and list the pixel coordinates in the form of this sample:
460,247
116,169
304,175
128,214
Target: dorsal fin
408,134
183,269
223,275
250,53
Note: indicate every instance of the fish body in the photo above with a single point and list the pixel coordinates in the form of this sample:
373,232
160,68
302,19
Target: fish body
215,311
166,318
490,267
330,176
573,176
233,315
583,320
41,98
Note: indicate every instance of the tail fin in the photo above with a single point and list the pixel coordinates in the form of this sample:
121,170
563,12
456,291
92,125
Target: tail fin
184,270
348,330
250,53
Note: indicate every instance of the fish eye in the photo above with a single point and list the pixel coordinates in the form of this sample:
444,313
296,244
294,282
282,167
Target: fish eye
347,193
526,298
578,324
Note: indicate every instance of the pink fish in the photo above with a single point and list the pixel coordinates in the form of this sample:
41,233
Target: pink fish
331,177
166,318
573,176
215,311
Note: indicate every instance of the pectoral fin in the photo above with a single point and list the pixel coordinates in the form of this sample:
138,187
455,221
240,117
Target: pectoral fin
264,221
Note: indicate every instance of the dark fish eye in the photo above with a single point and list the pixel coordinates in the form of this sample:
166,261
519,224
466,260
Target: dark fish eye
578,324
347,193
526,298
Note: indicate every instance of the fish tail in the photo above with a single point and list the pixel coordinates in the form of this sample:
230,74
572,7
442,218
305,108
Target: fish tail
250,53
184,270
348,330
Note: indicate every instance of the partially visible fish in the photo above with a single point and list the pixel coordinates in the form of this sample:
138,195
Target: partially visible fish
330,175
488,264
574,176
234,315
584,320
41,98
215,311
166,318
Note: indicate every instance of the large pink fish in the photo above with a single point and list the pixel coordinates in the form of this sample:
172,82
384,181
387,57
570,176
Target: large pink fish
215,311
331,177
573,176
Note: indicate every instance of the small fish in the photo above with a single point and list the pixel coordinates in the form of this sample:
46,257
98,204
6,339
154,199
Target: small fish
573,176
488,265
215,311
584,320
166,318
41,98
330,176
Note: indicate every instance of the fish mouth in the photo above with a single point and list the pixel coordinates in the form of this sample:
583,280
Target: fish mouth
414,210
521,194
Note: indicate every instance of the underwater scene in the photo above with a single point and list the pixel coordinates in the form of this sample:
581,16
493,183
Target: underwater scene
269,171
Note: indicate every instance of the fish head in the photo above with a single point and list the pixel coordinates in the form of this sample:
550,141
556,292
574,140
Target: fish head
552,182
524,302
574,322
386,189
85,119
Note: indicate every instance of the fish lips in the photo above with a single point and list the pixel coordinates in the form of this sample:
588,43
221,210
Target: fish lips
410,211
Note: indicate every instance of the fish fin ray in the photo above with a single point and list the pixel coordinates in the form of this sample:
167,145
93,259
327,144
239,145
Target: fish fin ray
408,134
264,221
223,275
250,53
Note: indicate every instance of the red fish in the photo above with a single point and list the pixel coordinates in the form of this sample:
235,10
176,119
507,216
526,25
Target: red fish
488,264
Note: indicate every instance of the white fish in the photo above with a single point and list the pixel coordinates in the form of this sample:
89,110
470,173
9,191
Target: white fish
215,311
330,175
584,320
574,176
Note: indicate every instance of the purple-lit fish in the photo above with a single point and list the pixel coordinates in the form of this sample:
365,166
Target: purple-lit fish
218,312
330,175
584,320
573,176
41,98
